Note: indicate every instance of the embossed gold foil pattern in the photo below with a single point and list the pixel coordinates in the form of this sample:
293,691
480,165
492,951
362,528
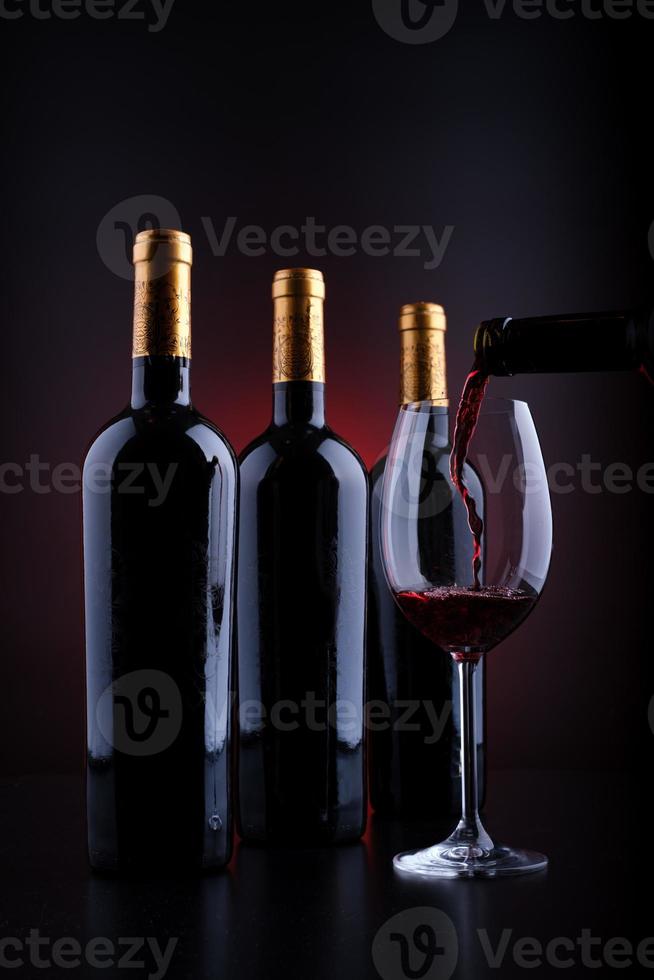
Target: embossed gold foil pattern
422,354
162,293
298,335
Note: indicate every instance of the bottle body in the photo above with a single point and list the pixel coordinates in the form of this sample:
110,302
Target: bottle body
159,581
301,620
159,514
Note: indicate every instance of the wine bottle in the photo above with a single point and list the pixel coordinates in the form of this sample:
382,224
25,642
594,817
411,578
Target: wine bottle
620,341
159,501
415,739
301,599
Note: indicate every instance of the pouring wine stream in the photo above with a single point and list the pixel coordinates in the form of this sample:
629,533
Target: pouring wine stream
466,422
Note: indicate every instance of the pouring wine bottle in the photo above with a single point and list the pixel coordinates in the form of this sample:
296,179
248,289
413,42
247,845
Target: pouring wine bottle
621,341
159,537
301,599
415,730
564,343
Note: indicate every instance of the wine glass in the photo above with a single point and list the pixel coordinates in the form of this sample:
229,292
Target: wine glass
427,550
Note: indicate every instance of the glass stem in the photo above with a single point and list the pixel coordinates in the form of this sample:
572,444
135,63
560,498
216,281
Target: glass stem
470,831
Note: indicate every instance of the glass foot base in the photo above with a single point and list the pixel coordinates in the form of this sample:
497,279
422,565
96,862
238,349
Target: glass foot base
450,860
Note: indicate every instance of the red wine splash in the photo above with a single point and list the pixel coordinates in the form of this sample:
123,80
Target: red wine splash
466,422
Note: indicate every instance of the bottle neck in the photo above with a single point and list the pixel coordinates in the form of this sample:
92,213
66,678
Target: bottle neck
422,365
298,348
161,349
299,403
620,341
161,380
298,335
423,376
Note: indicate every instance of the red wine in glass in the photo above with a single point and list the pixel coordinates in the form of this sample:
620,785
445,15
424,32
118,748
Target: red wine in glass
470,620
467,621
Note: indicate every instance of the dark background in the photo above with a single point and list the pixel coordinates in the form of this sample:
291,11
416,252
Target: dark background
528,136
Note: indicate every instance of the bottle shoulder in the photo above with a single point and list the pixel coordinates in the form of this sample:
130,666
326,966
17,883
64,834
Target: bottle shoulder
348,451
211,437
110,438
176,430
282,449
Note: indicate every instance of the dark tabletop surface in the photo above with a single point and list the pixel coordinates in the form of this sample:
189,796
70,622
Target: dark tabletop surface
330,912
